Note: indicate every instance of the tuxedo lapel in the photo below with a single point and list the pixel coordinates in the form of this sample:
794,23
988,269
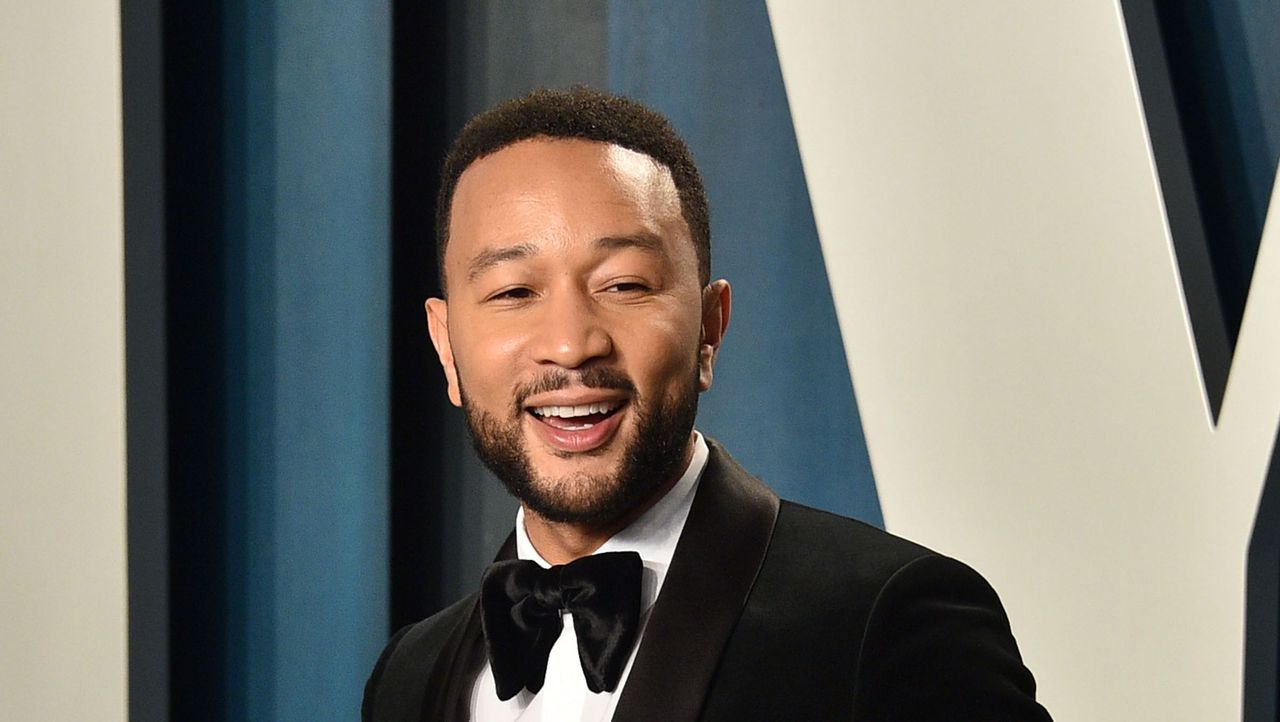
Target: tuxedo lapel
712,571
461,658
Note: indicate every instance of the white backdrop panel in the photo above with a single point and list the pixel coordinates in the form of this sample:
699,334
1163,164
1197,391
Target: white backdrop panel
1004,279
62,435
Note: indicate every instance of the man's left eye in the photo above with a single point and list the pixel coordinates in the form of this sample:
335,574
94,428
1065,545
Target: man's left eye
627,287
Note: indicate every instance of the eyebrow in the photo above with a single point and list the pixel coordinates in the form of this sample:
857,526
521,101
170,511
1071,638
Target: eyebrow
643,241
490,257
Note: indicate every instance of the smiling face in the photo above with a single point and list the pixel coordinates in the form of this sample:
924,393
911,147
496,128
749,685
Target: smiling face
576,335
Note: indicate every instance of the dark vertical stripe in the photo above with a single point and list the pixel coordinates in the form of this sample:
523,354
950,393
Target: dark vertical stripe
196,350
783,400
1262,603
419,409
145,367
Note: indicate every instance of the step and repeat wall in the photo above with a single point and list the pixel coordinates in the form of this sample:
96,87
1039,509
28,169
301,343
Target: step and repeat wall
981,300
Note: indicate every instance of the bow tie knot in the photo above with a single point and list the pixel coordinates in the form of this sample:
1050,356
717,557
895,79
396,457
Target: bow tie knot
521,605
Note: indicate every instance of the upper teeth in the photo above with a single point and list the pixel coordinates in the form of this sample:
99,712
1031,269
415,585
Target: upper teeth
568,412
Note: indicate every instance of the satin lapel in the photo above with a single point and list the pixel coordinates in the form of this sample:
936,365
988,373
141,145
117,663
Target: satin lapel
449,685
714,567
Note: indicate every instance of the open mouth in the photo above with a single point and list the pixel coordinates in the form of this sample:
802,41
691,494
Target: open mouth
576,418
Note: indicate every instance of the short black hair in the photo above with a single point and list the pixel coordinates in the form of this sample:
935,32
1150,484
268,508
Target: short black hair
586,114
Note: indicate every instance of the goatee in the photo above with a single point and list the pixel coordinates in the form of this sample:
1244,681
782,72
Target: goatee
651,458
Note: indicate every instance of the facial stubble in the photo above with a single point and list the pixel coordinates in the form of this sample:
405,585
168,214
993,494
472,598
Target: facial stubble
650,459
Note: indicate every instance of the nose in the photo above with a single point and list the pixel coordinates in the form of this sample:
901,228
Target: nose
571,332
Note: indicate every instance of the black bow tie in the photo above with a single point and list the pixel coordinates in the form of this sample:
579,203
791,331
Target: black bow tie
521,604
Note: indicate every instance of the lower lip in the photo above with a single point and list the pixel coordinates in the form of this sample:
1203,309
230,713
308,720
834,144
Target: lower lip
581,440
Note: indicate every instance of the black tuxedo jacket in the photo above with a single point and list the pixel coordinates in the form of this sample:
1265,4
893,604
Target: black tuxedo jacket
770,611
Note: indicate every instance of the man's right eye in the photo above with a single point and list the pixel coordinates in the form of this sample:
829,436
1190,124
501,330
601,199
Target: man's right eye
518,293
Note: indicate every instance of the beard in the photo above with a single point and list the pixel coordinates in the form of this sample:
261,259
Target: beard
651,458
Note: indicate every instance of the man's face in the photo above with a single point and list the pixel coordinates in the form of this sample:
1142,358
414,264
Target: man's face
576,335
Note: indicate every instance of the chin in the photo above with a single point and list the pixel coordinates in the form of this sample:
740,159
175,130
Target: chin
598,485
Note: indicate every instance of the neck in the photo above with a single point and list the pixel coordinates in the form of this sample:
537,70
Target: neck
563,542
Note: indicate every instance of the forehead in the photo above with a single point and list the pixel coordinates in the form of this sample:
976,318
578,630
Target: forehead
536,161
541,188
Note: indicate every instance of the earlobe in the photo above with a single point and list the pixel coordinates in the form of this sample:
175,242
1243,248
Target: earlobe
717,302
438,328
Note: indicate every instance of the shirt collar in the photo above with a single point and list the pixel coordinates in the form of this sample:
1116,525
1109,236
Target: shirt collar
653,534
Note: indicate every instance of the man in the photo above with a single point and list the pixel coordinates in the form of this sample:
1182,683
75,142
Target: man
649,577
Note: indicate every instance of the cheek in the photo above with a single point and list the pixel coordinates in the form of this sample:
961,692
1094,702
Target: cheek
486,363
508,349
669,355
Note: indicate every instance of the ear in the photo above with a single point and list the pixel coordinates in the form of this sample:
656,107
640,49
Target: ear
716,305
438,327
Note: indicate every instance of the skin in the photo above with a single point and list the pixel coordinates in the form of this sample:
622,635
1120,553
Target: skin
536,286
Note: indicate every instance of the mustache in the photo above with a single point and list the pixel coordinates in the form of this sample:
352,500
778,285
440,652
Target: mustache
596,377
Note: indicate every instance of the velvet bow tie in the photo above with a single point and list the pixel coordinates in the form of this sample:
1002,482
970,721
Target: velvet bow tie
521,604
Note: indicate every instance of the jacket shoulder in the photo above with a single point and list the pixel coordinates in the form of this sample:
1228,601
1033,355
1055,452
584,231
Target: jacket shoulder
846,619
938,643
817,544
397,685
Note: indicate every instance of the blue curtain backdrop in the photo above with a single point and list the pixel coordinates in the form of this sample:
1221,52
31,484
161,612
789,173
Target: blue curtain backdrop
277,155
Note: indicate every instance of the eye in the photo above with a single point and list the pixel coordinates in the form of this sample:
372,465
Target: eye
627,287
517,293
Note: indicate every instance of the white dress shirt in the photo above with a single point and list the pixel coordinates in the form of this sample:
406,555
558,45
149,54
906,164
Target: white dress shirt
564,696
